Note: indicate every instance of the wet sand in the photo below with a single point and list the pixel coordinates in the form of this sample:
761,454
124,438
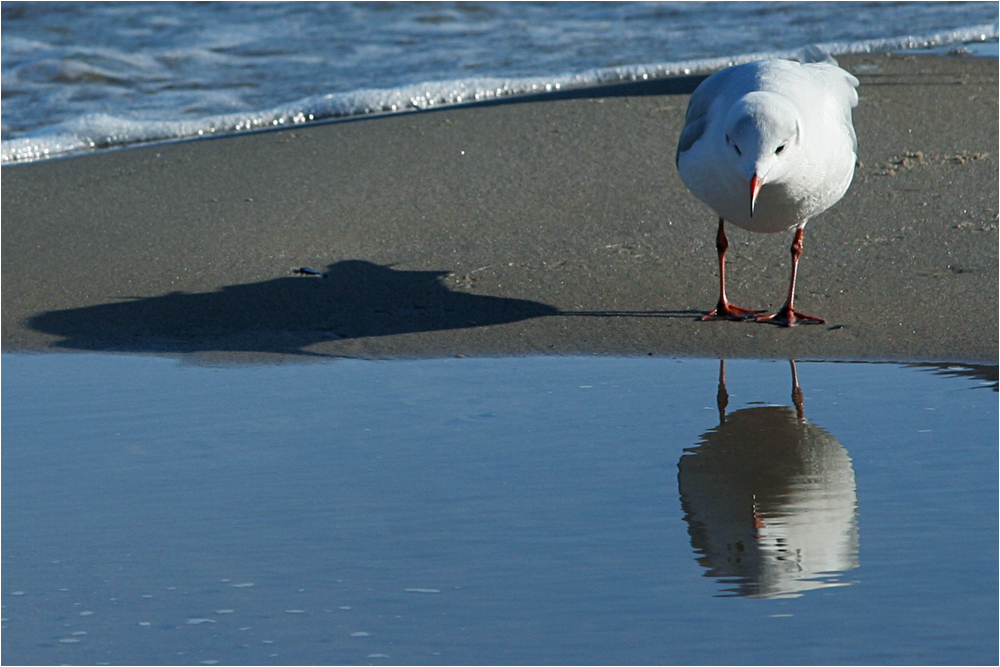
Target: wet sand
555,224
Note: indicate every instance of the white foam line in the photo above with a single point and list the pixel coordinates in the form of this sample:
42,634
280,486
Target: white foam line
101,131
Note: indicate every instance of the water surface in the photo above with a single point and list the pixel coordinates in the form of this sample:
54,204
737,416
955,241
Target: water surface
497,511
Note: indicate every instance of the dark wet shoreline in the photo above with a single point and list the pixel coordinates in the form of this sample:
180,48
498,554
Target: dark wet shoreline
546,226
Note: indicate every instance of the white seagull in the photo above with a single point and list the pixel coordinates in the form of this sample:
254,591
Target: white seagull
769,145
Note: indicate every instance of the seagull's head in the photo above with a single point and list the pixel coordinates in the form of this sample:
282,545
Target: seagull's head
762,134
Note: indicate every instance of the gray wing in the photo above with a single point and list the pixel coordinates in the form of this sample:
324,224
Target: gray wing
842,83
700,107
691,133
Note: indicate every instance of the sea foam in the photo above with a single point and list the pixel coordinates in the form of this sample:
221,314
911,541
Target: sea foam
94,132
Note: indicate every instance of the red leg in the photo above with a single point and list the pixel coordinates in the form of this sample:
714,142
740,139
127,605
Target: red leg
725,310
788,316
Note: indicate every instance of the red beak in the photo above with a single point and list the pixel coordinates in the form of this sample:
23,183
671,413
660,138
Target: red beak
755,184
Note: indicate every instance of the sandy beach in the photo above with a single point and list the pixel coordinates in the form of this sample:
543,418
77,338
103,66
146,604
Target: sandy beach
555,224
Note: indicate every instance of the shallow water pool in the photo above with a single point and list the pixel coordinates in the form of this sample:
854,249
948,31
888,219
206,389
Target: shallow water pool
498,511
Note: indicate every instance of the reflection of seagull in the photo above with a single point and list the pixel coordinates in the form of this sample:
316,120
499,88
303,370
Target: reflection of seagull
770,501
769,145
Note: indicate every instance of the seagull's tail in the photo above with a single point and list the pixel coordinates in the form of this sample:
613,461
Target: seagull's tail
815,54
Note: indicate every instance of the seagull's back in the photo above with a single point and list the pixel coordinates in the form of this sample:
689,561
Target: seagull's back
823,95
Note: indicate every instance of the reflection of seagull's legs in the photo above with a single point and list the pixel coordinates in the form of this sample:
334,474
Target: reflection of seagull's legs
722,398
797,392
758,523
725,310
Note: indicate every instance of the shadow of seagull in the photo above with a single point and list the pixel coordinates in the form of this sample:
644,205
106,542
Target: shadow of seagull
353,299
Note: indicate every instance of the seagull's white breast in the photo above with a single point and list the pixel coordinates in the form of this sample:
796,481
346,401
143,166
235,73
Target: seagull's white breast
811,179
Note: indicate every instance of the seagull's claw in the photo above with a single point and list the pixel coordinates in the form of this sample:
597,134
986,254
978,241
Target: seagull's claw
727,311
786,317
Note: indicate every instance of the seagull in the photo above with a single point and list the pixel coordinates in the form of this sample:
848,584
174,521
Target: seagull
769,145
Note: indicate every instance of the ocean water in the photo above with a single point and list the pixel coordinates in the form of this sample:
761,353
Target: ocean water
498,511
79,77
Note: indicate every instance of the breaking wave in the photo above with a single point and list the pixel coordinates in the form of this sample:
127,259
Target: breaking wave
94,132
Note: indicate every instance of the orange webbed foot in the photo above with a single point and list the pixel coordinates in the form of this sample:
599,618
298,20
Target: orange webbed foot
787,317
727,311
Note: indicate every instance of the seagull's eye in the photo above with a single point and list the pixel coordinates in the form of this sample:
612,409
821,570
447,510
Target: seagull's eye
732,143
779,149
